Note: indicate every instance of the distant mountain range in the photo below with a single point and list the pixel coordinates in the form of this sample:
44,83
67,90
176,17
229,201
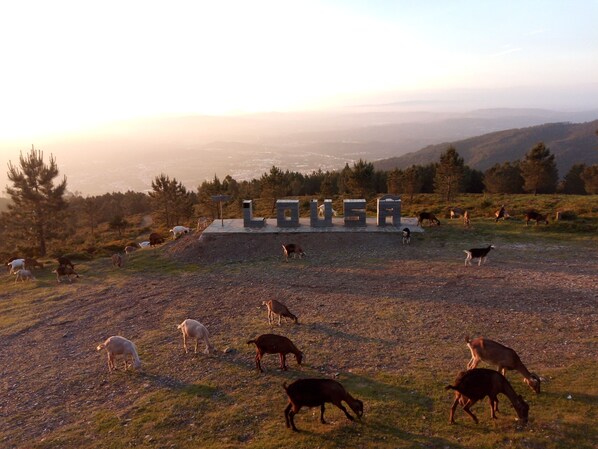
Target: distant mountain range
571,143
129,155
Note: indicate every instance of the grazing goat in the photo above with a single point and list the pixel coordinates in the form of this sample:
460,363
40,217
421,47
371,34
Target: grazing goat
203,223
531,215
64,261
144,244
23,275
505,358
406,233
477,253
117,345
321,211
275,344
316,392
278,308
15,265
195,330
64,270
129,249
117,260
475,384
427,216
31,263
292,248
155,239
501,213
466,219
456,212
178,231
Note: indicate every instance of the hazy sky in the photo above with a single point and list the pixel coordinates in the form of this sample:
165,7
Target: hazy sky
70,64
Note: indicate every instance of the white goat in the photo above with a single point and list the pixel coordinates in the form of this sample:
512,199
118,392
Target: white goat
15,265
145,244
117,345
23,275
321,211
195,330
179,230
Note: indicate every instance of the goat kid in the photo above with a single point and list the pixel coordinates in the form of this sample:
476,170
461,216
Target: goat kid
317,392
477,253
493,353
475,384
406,233
275,344
117,260
24,275
277,308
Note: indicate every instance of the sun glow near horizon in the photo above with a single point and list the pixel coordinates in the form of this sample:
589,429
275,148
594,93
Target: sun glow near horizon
74,64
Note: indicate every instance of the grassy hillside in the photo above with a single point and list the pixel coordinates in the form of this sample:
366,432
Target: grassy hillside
386,320
571,143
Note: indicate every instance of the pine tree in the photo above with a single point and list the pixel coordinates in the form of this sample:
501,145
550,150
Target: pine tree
37,204
505,178
539,171
572,183
449,175
361,180
172,203
590,178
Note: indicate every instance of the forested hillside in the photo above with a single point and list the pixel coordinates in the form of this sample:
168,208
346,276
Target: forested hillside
571,143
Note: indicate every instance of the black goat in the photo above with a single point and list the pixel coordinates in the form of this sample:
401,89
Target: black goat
316,392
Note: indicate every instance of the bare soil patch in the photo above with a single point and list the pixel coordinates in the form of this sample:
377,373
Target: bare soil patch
366,304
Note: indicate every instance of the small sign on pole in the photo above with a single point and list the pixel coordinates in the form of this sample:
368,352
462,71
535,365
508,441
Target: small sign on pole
221,199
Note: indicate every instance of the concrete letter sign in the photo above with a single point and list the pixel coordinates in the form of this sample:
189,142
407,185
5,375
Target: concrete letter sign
290,206
354,211
314,218
389,206
248,220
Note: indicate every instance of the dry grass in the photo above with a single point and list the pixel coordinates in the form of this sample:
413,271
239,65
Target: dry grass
388,321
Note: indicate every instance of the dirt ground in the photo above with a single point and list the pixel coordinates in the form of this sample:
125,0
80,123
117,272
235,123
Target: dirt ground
366,303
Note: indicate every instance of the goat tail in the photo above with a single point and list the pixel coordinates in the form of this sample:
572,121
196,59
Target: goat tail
250,341
465,251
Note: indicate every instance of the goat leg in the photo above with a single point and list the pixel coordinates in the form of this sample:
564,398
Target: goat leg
342,407
322,414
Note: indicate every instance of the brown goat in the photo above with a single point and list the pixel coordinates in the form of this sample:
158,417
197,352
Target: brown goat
316,392
278,308
155,239
117,260
475,384
65,261
30,263
427,216
275,344
535,216
505,358
294,249
64,270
